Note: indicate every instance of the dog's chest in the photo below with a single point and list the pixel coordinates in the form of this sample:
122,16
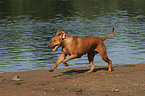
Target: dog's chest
65,50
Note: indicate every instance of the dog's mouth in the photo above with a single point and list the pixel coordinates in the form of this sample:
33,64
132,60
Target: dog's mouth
55,48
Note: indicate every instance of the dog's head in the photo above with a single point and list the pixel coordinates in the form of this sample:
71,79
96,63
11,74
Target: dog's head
57,40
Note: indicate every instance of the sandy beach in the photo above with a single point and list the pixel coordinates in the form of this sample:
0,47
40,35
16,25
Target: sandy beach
125,80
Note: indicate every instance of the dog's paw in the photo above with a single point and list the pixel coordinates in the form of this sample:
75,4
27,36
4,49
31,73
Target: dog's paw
51,70
88,72
109,70
65,64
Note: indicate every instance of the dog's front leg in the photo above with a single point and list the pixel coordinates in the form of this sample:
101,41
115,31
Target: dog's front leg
69,58
61,58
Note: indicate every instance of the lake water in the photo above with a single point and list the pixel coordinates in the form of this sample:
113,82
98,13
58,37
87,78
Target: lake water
27,26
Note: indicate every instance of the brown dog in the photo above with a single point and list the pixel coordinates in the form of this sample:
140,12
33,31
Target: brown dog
75,47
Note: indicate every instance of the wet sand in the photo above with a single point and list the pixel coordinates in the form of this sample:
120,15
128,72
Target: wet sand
125,80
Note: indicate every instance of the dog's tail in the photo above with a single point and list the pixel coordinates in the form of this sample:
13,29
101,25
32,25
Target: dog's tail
108,35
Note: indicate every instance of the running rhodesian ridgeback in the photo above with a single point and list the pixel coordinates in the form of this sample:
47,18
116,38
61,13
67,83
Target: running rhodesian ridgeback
75,47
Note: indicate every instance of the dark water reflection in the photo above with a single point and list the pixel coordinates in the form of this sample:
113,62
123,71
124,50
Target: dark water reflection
26,27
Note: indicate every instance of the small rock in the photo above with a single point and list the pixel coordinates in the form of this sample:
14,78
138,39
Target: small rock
116,90
16,78
45,93
55,90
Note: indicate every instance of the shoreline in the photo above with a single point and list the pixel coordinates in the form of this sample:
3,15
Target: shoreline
124,80
71,68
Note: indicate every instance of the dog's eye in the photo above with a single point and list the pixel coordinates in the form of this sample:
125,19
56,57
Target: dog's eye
54,40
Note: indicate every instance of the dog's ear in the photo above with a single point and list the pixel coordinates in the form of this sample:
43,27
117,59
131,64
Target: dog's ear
58,32
63,35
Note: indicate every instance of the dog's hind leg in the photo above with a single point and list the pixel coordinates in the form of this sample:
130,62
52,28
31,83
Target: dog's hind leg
102,51
90,58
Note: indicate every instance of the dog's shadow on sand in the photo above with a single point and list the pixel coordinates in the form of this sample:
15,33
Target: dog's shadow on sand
81,71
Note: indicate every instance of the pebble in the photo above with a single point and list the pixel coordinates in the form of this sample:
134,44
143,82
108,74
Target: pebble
16,78
116,90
